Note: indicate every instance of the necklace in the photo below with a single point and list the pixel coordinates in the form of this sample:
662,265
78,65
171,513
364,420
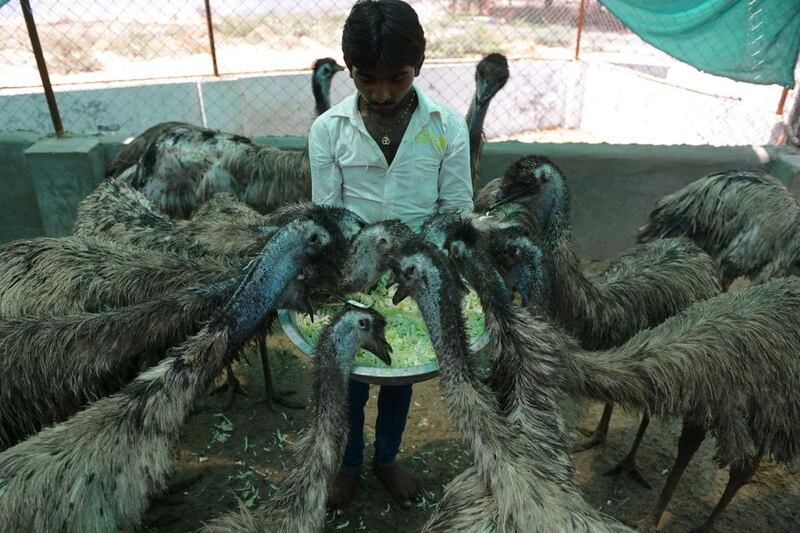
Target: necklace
385,139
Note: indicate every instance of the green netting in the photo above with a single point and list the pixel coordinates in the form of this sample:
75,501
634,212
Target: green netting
757,41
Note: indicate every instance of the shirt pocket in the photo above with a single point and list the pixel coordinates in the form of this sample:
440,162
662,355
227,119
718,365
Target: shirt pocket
425,181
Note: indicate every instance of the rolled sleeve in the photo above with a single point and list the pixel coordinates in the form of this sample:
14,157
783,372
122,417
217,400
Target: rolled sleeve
455,182
326,176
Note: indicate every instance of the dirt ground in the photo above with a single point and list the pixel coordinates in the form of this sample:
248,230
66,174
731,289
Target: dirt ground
244,451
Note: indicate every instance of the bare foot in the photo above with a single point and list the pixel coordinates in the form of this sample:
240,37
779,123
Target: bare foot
342,491
400,483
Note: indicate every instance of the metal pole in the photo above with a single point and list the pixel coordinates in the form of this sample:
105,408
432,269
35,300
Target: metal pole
211,37
37,52
782,101
581,13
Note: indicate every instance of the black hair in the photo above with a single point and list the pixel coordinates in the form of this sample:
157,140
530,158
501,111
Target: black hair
383,31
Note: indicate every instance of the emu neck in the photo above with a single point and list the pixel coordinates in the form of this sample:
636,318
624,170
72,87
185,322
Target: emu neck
472,410
322,97
302,497
611,376
451,347
573,293
527,373
475,118
259,293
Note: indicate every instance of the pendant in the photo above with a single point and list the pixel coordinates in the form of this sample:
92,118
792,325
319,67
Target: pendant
385,140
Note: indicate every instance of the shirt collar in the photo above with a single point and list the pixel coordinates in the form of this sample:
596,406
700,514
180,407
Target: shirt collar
348,107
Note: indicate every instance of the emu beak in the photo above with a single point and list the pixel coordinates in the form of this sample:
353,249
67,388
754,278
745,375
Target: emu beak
399,295
381,348
391,280
309,307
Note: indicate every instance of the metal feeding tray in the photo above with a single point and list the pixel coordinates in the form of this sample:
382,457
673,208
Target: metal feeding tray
376,375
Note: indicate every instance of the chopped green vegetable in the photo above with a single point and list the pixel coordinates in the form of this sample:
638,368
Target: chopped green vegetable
405,328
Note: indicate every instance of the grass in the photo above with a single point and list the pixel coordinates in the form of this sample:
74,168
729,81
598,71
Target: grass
79,46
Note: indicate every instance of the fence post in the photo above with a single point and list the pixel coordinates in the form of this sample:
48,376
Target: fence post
581,14
37,52
782,101
211,37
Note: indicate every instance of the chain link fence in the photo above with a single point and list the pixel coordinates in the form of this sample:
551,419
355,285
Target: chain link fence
577,74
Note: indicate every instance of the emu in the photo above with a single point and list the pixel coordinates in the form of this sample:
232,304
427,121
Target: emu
322,73
527,378
491,75
71,274
65,275
502,462
97,470
746,221
91,355
642,288
727,365
299,504
222,227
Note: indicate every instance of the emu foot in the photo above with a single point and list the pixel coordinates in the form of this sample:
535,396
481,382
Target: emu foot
277,397
183,483
233,387
594,440
646,526
627,467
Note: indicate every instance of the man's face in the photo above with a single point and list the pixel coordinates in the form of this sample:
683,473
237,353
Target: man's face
383,87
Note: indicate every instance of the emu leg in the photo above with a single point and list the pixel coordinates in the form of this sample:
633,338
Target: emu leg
628,465
739,475
688,443
272,395
232,385
727,282
598,436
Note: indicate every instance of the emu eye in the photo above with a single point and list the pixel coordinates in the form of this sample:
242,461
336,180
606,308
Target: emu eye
409,271
363,323
382,242
313,238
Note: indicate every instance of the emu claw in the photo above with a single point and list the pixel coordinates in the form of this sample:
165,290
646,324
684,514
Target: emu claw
593,441
628,468
277,397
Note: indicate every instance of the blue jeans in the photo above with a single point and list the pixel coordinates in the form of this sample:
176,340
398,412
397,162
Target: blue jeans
393,404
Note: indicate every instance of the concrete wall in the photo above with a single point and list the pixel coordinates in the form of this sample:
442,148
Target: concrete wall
19,212
632,103
282,104
613,187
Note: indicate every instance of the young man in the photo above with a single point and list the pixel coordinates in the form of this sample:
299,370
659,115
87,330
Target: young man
388,151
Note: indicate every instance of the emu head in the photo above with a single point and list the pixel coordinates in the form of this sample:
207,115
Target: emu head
467,248
322,75
324,274
491,75
536,183
421,272
368,251
265,279
526,267
437,227
353,328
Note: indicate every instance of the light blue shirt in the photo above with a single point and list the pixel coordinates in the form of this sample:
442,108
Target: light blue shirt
429,174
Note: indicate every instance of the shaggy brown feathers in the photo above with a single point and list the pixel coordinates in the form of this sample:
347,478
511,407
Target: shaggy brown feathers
299,504
71,274
747,221
96,471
